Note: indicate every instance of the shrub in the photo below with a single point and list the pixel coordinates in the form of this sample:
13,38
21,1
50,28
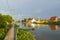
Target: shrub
24,35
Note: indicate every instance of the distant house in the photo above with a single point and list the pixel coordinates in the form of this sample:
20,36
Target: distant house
31,20
53,19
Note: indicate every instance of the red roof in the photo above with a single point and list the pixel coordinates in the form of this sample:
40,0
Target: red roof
53,18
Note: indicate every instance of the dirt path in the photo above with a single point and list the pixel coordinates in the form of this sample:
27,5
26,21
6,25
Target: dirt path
10,34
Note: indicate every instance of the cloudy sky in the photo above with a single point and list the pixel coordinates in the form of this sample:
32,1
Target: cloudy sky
20,9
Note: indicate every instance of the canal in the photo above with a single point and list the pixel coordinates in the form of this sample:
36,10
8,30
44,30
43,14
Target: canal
43,32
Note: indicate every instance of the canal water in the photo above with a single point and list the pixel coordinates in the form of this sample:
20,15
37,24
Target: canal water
43,32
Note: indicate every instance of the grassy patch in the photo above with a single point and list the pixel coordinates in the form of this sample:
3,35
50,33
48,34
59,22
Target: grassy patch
24,35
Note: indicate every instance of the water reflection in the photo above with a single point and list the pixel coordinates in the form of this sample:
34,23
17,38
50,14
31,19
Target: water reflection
52,27
44,32
34,25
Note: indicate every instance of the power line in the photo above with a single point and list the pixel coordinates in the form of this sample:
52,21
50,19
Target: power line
9,8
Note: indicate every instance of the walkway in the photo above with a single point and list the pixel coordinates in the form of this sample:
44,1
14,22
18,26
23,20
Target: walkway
10,34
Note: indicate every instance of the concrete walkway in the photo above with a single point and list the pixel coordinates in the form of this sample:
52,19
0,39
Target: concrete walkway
10,34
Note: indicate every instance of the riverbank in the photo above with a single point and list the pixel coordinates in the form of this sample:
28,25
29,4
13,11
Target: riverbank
24,35
3,33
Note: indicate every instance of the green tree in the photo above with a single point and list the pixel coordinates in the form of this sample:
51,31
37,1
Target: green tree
5,20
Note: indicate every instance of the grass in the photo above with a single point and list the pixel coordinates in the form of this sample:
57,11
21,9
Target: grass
24,35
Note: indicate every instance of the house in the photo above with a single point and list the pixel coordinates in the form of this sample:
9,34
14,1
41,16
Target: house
30,20
53,19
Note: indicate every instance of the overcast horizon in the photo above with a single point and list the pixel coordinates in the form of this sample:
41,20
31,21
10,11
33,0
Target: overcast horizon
20,9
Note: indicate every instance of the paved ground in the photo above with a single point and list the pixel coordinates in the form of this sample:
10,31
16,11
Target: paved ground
10,34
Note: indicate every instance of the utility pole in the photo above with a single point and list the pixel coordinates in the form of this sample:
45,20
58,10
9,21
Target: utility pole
12,11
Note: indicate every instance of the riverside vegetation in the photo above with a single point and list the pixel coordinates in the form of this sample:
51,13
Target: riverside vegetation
5,24
2,33
23,34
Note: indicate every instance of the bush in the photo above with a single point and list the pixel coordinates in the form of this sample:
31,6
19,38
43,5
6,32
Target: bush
24,35
2,33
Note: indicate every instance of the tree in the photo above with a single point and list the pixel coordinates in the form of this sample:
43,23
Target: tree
5,20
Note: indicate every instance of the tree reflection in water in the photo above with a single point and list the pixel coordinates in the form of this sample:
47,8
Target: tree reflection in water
32,25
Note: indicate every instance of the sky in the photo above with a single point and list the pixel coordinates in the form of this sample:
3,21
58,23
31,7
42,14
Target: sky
20,9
